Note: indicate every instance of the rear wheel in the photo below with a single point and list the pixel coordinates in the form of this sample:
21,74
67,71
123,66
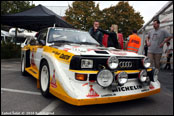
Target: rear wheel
44,79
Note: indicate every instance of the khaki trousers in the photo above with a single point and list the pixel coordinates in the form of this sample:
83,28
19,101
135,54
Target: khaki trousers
155,59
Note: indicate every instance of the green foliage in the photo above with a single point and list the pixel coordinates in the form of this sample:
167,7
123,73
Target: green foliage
124,16
10,50
10,7
82,14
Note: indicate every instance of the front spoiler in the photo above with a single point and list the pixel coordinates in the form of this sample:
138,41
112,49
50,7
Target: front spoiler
91,101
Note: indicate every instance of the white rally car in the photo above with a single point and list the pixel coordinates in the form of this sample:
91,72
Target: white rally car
74,67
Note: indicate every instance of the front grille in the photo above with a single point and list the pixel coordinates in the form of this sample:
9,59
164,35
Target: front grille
136,64
101,61
130,64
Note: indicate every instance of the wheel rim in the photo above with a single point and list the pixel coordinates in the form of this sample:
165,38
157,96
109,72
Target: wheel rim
23,65
44,78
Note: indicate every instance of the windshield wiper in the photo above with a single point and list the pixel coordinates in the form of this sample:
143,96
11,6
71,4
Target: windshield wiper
62,41
89,43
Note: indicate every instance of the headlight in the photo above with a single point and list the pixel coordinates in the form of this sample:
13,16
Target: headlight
122,78
155,75
86,63
146,62
105,78
143,76
113,62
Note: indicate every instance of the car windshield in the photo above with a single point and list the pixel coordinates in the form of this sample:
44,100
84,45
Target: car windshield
62,35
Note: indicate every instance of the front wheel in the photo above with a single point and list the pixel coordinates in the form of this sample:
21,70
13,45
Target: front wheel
44,79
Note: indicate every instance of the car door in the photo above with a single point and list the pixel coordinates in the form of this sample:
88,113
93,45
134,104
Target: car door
37,49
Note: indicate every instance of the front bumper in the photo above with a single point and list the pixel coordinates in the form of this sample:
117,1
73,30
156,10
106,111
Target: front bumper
91,101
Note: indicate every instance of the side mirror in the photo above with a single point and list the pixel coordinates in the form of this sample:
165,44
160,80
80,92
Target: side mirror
42,42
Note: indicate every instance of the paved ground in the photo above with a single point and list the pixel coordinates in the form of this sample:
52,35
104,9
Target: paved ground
19,95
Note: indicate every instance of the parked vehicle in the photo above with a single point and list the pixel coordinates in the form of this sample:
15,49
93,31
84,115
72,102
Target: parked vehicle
74,67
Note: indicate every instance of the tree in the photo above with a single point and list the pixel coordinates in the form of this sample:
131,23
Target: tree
82,14
124,16
9,7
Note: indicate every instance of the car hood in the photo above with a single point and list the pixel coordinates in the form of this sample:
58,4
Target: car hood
95,51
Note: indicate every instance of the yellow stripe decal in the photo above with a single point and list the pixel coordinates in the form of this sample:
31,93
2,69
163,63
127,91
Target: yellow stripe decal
81,71
95,72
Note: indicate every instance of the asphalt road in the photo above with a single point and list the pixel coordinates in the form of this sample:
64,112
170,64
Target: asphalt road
19,95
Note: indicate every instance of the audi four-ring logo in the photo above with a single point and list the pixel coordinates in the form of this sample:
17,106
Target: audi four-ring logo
125,64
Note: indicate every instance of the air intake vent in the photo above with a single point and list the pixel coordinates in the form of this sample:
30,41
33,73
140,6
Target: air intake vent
101,52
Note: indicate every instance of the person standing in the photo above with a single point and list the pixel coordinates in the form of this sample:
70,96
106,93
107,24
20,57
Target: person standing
95,33
155,40
105,40
120,39
145,48
169,52
112,39
134,42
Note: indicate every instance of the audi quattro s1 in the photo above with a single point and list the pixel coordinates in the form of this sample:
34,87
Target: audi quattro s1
74,67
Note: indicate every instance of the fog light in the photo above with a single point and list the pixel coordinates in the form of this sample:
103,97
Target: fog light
105,78
122,78
143,76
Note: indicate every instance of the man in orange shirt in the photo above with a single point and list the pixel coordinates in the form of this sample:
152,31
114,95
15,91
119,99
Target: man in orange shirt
134,42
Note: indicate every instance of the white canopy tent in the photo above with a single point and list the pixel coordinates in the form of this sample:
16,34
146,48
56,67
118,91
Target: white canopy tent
5,33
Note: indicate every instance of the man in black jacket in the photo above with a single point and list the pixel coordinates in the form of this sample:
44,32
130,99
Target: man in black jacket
95,33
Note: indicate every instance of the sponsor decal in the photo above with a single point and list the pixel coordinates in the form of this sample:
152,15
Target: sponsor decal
66,49
32,59
53,81
55,52
92,93
63,56
85,84
151,86
118,53
93,50
108,95
144,90
128,88
90,81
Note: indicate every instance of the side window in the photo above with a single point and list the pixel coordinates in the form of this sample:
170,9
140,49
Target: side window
42,36
33,42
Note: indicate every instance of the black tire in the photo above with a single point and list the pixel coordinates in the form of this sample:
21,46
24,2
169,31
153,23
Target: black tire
46,92
23,66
